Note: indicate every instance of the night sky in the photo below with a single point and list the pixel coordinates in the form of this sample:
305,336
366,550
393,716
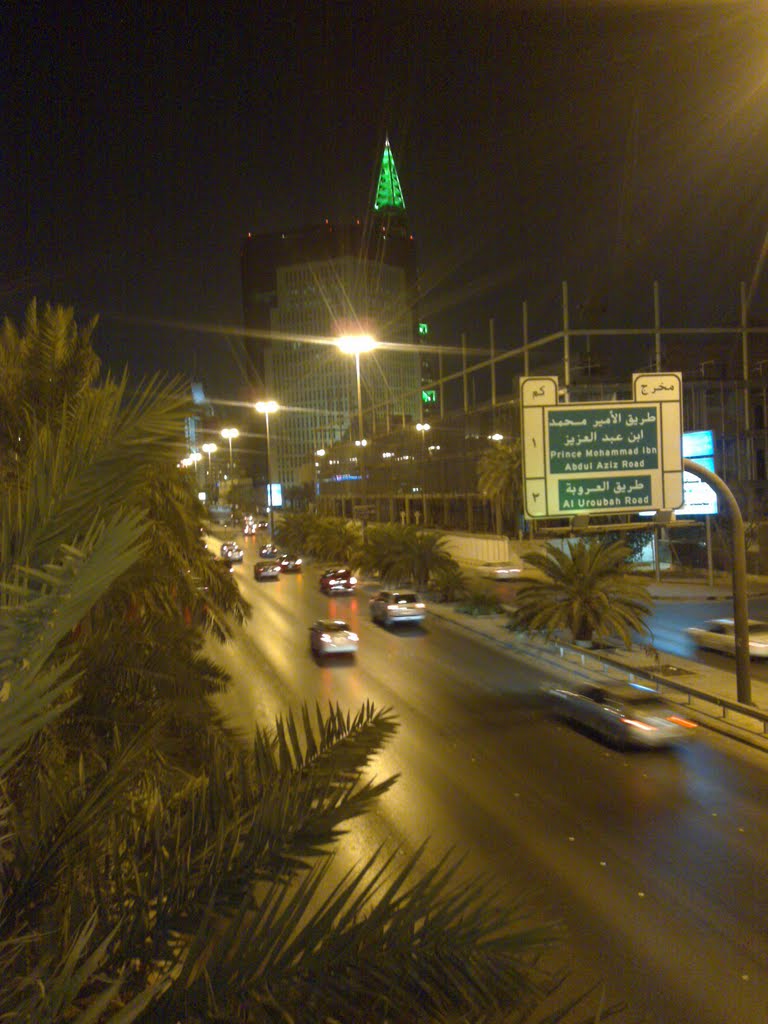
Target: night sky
606,144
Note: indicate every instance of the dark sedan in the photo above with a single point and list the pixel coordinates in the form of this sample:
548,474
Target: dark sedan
266,571
338,581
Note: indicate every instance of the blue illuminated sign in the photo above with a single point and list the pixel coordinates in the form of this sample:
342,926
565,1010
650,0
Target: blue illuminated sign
698,443
699,499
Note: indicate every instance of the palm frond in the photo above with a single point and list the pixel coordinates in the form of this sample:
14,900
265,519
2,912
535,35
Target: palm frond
75,989
38,608
401,944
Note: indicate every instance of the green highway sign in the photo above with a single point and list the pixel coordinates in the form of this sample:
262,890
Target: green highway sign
601,494
616,456
603,440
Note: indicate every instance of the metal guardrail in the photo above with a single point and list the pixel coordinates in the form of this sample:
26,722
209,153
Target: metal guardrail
747,719
724,704
729,709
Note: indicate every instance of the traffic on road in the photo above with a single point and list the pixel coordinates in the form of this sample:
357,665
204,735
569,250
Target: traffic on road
654,859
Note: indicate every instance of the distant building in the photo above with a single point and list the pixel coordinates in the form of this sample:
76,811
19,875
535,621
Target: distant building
301,289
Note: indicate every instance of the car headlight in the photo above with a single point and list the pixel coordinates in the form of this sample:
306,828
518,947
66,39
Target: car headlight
325,637
353,579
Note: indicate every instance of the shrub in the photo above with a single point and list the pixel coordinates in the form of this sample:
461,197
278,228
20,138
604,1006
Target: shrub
480,601
448,583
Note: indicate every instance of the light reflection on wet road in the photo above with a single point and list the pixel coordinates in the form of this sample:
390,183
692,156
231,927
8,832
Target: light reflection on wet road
656,861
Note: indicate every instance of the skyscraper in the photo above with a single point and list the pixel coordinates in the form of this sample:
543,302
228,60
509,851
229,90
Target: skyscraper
304,288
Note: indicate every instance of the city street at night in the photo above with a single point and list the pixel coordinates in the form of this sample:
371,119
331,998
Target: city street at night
654,862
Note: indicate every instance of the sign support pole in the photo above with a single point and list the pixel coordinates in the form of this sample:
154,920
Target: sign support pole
710,569
740,613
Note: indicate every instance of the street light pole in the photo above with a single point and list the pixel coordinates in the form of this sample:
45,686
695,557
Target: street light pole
265,408
354,344
422,429
228,433
359,397
209,448
319,454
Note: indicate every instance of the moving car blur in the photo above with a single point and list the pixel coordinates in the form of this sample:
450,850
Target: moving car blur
625,714
388,607
500,570
338,581
720,635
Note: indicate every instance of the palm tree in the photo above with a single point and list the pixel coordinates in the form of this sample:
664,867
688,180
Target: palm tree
448,583
333,539
404,553
423,554
588,589
499,478
294,529
152,868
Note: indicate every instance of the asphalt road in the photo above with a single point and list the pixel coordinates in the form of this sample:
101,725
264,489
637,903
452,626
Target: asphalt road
655,862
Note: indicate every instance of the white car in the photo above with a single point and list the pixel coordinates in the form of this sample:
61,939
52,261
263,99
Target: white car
232,551
500,570
625,714
332,636
720,635
391,606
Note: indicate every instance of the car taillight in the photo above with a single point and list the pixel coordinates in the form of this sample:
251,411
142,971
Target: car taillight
681,721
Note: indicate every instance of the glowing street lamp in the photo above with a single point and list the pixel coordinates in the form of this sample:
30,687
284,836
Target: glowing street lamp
228,433
265,408
209,449
319,454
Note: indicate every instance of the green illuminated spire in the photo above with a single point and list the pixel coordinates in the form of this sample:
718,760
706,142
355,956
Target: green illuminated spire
389,195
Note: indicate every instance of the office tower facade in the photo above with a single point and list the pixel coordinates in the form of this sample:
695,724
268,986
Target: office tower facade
302,290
